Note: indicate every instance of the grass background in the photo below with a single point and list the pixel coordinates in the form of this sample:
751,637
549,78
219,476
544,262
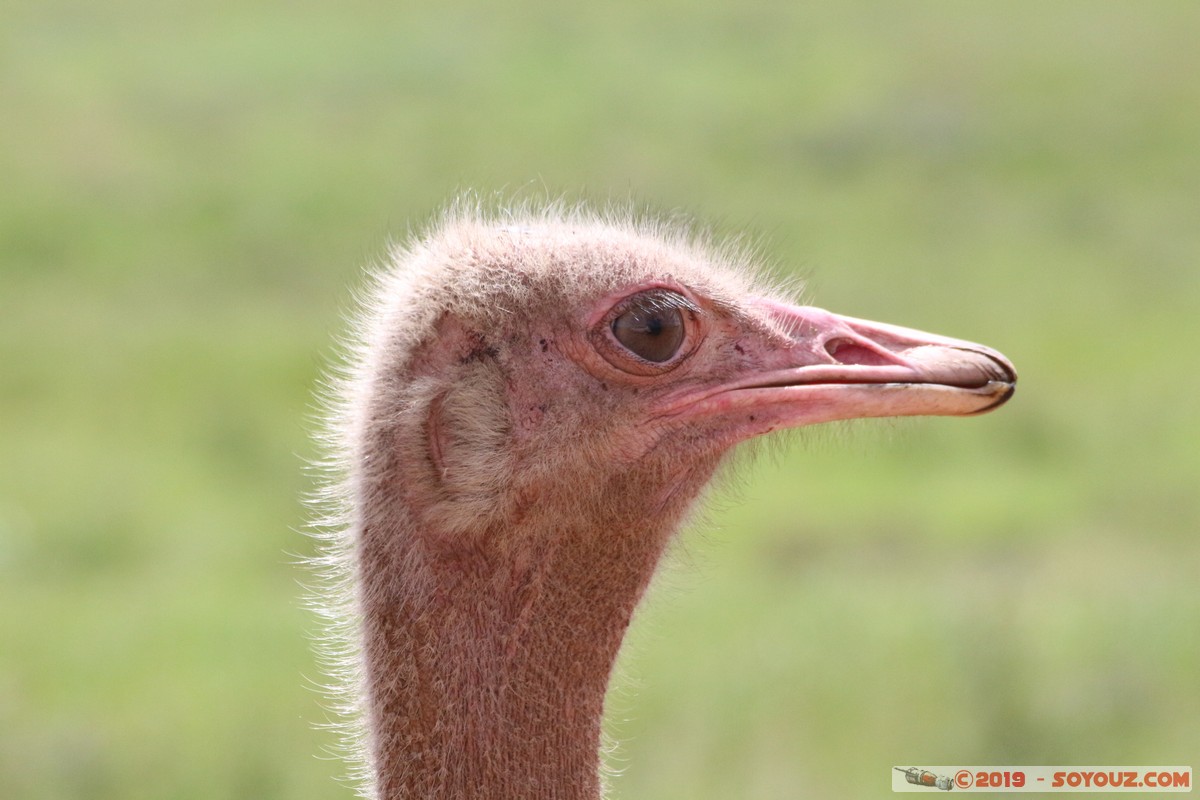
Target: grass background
188,190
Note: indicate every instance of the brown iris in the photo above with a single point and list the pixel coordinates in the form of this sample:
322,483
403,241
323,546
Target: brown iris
650,328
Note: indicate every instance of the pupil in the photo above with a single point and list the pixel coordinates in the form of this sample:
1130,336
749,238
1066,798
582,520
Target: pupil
654,326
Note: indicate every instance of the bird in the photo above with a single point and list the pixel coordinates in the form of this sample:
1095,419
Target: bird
531,402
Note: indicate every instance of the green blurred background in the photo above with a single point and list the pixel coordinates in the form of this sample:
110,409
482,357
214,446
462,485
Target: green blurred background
189,190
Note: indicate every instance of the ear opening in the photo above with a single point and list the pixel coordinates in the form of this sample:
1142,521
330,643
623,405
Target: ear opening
436,436
469,431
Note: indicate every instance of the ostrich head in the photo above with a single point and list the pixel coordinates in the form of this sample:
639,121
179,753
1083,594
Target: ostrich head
533,408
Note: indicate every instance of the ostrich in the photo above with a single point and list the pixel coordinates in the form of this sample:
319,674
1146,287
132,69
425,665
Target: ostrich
533,402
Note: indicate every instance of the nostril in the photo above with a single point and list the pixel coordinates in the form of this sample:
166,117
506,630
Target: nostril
848,351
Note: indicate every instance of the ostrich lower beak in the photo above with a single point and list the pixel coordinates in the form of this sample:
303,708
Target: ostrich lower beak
840,368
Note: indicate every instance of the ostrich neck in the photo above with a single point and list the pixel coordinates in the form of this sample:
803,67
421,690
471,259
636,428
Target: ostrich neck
487,662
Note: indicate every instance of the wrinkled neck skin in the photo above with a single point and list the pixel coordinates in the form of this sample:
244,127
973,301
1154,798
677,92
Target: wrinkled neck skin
488,654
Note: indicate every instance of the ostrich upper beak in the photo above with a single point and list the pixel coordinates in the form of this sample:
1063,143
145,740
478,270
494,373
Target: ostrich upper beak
837,367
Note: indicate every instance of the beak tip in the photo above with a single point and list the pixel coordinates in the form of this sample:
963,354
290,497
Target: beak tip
1009,387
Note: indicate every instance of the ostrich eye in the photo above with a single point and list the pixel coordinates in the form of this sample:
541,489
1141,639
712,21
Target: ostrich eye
650,329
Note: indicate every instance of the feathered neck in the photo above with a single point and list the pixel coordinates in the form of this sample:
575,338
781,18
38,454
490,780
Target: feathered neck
487,656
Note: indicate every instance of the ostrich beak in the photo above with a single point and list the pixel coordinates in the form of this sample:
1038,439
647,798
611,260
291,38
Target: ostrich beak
837,368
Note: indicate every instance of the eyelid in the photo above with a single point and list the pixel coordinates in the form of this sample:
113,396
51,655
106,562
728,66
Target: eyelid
654,301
